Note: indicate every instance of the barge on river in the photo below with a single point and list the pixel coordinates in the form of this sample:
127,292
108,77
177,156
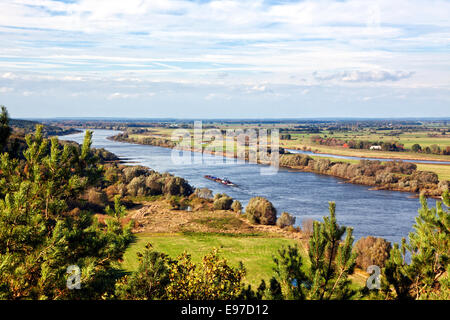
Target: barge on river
224,181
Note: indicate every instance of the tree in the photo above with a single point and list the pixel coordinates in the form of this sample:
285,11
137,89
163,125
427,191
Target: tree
222,202
236,206
285,220
150,280
118,211
426,276
331,261
416,147
372,251
5,130
261,211
42,233
213,279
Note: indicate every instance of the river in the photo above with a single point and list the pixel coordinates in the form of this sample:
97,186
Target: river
387,214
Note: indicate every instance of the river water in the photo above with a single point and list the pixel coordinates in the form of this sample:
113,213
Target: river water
387,214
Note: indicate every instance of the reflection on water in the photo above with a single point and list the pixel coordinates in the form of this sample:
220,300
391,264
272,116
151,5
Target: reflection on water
386,214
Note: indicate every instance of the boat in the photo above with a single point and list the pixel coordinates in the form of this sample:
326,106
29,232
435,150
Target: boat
224,181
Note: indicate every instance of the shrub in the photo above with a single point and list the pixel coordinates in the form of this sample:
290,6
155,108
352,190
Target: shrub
154,185
137,186
199,203
308,227
112,174
174,202
236,206
133,172
222,202
119,211
293,160
111,191
285,220
211,279
96,196
261,211
204,193
149,281
372,251
122,189
176,186
416,147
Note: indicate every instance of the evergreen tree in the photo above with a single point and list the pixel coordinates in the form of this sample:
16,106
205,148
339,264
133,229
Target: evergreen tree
426,276
331,261
5,130
42,234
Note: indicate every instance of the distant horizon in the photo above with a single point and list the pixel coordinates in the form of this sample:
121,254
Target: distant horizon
236,119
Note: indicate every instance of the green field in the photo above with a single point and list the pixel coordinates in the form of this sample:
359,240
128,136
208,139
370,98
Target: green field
254,251
300,140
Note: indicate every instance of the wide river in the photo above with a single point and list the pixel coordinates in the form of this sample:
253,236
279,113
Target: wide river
386,214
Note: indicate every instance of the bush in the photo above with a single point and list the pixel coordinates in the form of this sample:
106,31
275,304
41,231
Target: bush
285,220
137,186
212,279
111,191
416,147
204,193
372,251
308,227
174,202
236,206
97,197
122,189
261,211
112,174
176,186
150,280
154,185
294,160
133,172
222,202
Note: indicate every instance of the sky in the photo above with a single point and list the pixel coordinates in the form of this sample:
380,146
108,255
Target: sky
225,59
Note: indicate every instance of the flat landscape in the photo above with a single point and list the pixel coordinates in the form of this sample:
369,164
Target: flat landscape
238,150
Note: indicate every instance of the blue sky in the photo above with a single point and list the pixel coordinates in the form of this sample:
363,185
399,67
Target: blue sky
209,59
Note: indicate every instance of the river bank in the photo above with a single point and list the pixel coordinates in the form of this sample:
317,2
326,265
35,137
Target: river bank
389,175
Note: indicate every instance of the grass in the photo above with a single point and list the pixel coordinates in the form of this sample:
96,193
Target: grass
222,223
442,170
408,139
255,251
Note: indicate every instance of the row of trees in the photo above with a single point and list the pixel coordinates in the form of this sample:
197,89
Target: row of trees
357,144
433,149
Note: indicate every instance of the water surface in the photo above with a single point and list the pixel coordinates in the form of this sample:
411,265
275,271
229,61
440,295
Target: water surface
387,214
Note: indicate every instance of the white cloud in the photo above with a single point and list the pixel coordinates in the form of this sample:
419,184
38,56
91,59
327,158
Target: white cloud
120,95
119,49
365,76
6,89
9,75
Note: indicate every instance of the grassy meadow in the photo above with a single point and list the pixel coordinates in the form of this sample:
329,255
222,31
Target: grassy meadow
255,251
